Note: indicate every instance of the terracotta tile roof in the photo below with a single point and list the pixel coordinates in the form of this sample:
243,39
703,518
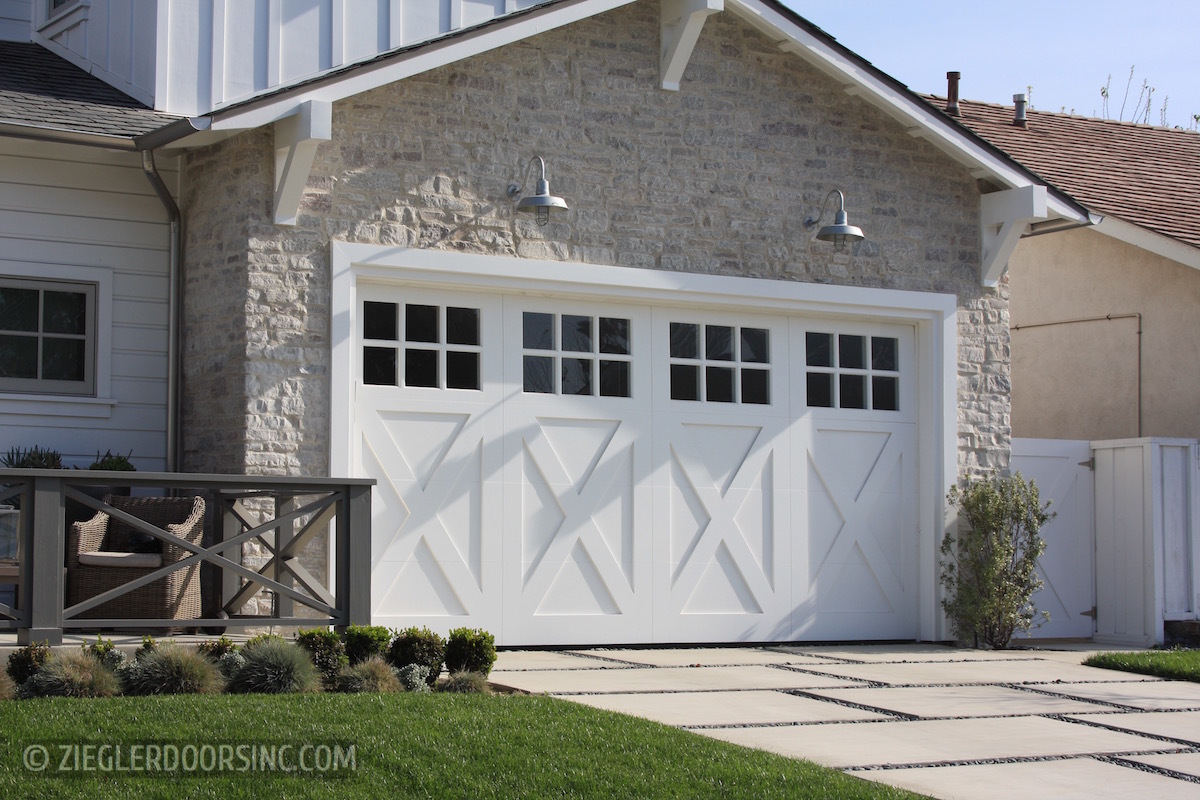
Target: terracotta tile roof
1143,174
40,90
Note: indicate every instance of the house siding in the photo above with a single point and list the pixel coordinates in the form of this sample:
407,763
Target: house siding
713,179
81,213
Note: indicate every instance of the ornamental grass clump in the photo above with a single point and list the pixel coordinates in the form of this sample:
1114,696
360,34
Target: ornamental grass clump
470,650
372,675
274,666
465,683
418,646
172,669
989,569
73,673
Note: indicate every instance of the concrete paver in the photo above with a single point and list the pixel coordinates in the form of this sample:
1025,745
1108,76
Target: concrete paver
666,679
507,660
959,701
726,708
1150,694
708,656
1183,725
862,744
1069,779
1028,670
1185,763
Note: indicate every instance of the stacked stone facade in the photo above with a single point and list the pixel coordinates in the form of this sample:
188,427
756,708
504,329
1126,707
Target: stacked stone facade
715,179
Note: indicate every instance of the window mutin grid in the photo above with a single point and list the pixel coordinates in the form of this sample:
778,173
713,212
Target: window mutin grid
47,336
576,354
852,371
421,345
719,363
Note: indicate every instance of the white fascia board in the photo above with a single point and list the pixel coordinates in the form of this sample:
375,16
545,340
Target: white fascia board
436,54
917,116
1148,240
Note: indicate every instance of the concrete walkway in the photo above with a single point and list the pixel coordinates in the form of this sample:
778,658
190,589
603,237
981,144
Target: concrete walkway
941,721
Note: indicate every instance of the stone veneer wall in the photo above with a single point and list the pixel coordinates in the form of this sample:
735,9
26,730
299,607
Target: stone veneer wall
715,178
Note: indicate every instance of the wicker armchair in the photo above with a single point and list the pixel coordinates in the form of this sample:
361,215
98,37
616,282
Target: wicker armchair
101,556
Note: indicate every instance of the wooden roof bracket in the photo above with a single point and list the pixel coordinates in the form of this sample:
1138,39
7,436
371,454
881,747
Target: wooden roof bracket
296,138
682,21
1003,217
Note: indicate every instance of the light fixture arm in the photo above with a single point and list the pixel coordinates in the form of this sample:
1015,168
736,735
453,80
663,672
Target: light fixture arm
514,189
811,221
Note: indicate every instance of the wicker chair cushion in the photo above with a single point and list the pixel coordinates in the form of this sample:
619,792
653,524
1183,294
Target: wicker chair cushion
135,560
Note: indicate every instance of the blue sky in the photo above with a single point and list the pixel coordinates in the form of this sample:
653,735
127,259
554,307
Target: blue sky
1064,49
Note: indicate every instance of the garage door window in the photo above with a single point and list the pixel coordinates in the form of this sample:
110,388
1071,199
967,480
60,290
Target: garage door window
852,371
720,363
575,354
418,345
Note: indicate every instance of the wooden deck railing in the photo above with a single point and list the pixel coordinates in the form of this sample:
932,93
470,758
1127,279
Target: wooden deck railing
283,515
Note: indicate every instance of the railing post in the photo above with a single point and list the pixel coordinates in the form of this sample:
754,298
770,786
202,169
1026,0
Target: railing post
283,606
43,543
354,556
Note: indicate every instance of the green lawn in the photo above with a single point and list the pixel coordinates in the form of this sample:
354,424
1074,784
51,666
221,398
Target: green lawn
1180,665
407,745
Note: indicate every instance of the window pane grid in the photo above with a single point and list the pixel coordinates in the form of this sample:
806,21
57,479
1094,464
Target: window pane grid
852,371
576,354
419,345
47,336
719,363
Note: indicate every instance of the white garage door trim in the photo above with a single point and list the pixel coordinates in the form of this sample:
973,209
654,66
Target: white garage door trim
933,317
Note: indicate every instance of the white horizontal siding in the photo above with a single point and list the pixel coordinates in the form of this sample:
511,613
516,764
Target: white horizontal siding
15,16
66,207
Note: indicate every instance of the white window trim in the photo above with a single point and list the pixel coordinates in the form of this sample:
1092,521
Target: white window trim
934,315
100,404
52,23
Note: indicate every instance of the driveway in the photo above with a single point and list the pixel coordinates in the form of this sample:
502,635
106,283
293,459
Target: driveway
942,721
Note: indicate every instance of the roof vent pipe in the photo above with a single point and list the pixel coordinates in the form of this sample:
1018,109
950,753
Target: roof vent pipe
1019,118
952,93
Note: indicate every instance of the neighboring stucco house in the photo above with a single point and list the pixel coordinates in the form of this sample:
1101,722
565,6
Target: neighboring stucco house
1105,318
671,414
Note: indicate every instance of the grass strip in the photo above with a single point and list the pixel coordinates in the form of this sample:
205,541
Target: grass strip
1179,665
407,745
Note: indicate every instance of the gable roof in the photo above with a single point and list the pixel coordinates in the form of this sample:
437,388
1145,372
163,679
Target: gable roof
44,95
1143,174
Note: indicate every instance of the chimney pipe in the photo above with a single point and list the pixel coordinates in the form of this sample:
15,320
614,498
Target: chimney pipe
952,93
1019,118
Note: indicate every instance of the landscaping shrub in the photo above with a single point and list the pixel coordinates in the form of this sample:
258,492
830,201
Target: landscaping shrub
214,649
413,677
418,646
364,641
229,663
25,662
104,651
989,568
372,675
470,650
327,652
72,673
8,689
274,666
148,646
465,683
171,669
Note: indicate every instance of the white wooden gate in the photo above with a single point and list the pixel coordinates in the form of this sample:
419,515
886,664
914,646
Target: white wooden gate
1061,469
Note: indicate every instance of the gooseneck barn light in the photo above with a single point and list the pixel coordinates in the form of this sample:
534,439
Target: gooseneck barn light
841,231
540,201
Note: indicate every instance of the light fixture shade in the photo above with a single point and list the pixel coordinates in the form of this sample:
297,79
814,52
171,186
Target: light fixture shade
840,232
541,201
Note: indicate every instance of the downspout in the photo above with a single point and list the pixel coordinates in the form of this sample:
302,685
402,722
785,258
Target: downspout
174,307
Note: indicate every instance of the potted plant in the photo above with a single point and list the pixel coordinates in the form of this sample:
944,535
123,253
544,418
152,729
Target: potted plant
76,511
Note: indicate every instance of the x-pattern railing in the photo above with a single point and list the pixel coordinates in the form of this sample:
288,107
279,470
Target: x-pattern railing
283,515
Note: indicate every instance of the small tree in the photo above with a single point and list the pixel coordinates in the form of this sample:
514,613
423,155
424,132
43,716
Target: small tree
989,567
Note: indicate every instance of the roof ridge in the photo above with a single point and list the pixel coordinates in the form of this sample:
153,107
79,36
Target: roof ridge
1030,110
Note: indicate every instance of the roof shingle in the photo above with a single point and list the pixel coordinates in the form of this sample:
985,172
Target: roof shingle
40,90
1143,174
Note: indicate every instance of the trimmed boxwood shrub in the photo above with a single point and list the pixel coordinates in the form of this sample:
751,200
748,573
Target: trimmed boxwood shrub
275,666
372,675
364,641
26,661
327,652
418,646
470,650
171,669
73,673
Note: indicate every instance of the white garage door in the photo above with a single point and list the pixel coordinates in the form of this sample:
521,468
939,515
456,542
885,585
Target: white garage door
565,471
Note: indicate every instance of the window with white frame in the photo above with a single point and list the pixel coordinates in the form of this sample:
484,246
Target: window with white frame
852,371
47,337
720,363
421,346
576,354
